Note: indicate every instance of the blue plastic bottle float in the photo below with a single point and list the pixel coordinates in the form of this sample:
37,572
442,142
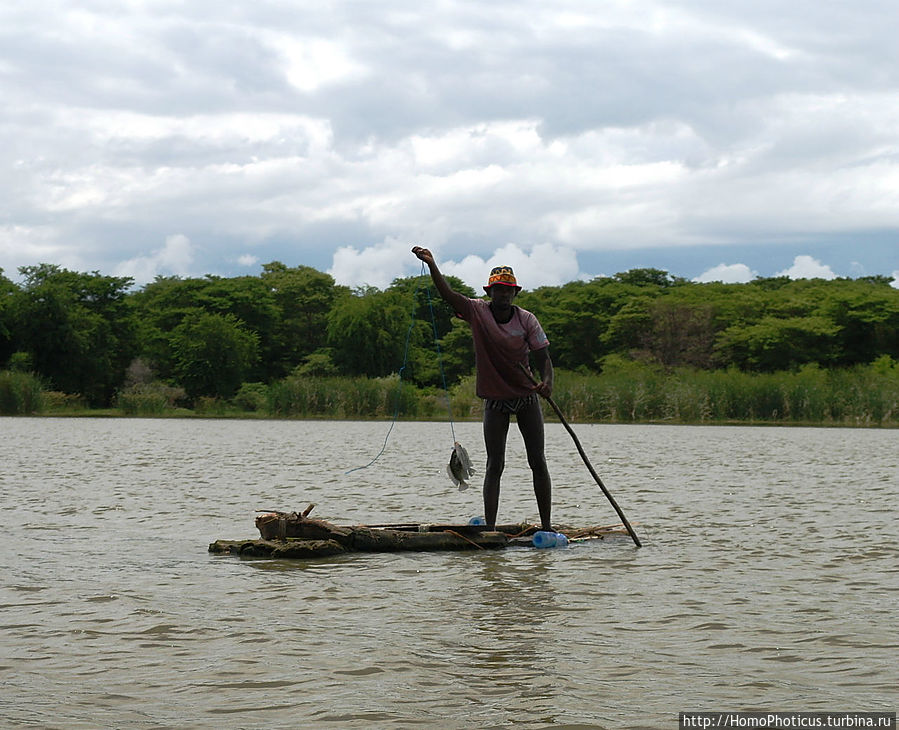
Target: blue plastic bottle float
546,539
540,539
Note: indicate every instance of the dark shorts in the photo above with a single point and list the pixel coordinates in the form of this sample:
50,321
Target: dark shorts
510,405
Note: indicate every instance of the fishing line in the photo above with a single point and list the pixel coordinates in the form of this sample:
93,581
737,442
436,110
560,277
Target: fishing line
399,384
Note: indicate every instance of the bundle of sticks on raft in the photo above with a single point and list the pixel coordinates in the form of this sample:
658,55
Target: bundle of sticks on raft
296,535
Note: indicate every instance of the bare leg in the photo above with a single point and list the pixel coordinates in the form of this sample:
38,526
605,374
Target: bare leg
496,426
530,423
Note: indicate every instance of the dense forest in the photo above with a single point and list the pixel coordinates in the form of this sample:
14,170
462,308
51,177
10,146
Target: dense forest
256,341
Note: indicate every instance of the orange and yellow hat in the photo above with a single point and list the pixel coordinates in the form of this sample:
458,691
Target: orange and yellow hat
502,275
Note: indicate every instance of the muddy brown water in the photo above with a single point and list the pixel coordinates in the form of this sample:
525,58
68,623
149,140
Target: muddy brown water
768,580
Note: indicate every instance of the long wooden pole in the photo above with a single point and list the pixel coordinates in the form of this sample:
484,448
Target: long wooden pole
592,471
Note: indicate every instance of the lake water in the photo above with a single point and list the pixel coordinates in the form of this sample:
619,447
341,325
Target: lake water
768,580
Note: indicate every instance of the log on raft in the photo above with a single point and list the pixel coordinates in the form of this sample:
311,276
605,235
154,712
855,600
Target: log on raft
294,535
290,548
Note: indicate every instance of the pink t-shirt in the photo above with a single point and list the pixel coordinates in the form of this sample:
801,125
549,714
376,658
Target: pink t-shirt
498,349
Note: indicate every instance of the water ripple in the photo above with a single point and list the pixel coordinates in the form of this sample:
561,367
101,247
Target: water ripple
768,578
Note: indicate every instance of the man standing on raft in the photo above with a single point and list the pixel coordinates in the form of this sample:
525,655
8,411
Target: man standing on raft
503,336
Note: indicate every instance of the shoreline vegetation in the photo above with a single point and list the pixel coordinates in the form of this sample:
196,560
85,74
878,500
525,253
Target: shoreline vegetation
624,393
641,346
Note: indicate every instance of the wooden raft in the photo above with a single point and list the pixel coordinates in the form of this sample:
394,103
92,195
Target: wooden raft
295,535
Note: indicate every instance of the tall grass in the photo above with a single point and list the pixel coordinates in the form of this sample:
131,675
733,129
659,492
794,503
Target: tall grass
343,397
627,393
20,393
148,399
863,396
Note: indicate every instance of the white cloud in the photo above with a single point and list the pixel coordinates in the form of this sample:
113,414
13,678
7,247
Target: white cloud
230,129
635,125
311,63
29,245
545,265
379,265
895,282
806,267
174,258
371,266
247,260
727,273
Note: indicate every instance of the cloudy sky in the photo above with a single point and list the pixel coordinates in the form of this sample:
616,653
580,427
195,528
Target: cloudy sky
715,139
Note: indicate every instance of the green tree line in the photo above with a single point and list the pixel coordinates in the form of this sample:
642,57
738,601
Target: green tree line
98,339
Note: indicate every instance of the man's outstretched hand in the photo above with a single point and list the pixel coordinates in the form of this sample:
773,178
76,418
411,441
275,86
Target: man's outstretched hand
423,254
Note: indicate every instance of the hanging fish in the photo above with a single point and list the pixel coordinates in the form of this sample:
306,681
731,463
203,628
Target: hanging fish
459,467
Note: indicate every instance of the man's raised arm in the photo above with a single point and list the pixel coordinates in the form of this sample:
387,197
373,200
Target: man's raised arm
456,300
